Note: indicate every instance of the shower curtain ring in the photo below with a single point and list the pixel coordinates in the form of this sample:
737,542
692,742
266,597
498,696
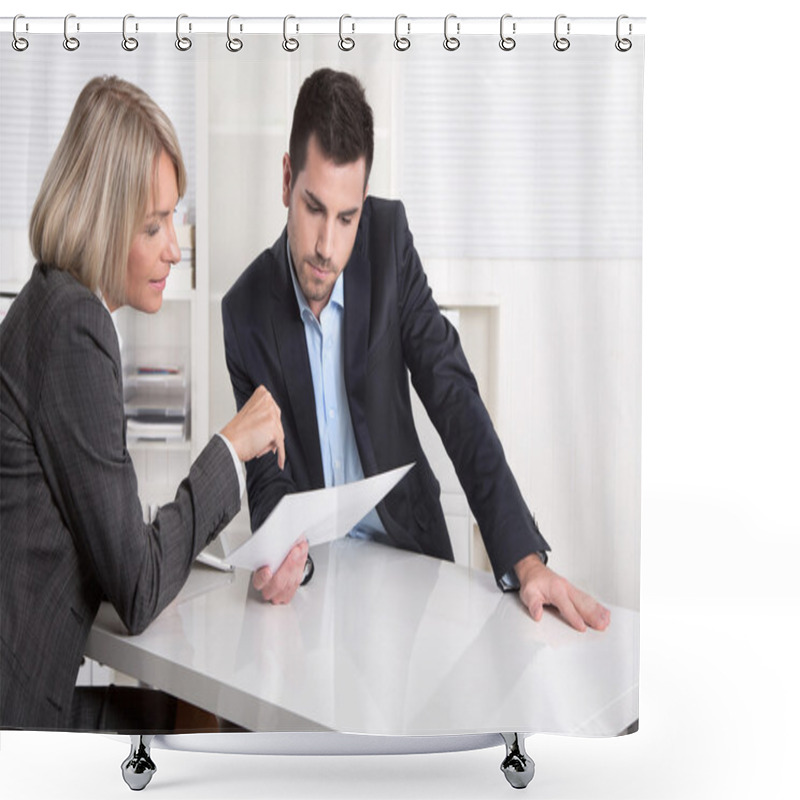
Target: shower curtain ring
346,42
561,43
182,42
18,42
451,42
623,45
507,42
401,42
233,44
128,42
71,43
290,44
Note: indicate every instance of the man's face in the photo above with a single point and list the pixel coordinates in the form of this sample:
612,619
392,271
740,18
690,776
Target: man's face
325,206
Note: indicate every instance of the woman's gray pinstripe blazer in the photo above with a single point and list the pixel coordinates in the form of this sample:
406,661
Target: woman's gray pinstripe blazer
71,528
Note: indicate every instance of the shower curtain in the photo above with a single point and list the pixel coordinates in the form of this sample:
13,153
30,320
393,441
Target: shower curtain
518,157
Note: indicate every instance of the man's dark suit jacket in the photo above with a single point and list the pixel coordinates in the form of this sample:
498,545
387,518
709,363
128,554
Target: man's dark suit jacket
392,327
71,527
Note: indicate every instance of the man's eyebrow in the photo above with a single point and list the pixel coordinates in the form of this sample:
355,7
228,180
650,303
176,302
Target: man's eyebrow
314,199
317,202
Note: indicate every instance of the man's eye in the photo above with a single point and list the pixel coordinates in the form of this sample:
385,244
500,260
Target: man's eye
346,220
315,209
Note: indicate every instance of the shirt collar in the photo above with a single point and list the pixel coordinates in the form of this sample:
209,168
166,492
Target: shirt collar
112,315
337,295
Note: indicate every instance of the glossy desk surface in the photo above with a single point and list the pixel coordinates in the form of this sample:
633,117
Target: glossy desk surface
381,641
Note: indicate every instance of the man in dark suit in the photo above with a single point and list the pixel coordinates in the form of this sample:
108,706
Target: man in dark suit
332,320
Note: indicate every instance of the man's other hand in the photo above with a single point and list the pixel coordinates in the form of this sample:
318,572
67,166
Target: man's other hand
540,587
280,587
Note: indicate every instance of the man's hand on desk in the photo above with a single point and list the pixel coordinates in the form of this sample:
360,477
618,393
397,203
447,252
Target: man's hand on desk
540,586
280,587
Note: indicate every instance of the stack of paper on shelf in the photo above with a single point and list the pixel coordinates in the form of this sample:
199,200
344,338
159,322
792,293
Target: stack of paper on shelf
156,403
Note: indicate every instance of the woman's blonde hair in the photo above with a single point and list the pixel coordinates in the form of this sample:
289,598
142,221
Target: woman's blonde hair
95,193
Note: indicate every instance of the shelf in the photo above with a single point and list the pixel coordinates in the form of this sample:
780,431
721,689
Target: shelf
138,445
11,287
465,300
15,287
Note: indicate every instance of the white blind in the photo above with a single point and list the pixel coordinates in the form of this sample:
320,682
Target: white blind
38,89
547,146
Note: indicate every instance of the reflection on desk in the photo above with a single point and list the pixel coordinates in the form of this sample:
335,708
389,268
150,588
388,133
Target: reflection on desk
381,641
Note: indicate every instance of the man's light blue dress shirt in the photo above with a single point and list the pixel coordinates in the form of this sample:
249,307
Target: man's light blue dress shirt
325,342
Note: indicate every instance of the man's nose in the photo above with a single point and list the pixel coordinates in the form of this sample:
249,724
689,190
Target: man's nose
325,241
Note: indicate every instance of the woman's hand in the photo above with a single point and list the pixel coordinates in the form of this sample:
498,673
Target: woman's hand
257,428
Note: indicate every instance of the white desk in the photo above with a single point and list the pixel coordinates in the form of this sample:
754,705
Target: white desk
381,642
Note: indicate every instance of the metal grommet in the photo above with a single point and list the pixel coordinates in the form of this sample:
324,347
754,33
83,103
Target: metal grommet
561,43
18,42
451,42
623,45
70,42
183,43
401,43
507,42
233,44
346,43
128,42
290,44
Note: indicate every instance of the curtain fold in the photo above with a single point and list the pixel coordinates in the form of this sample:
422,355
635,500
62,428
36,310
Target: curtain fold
521,175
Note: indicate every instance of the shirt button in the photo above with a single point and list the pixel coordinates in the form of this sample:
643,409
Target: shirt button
331,414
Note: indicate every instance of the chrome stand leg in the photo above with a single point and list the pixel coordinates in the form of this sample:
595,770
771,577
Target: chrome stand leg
518,766
138,768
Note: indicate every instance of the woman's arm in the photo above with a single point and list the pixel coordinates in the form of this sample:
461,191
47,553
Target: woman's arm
80,438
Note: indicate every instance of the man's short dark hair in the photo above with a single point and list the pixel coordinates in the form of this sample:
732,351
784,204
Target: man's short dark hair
332,106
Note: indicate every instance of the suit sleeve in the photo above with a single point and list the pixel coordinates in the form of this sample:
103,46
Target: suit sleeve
448,389
140,567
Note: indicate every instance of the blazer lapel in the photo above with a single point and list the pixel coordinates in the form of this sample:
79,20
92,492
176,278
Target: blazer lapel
356,340
357,306
291,339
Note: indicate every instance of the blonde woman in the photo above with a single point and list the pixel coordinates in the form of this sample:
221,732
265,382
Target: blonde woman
71,528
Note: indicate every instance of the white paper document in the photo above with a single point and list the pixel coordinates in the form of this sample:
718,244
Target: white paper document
320,515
